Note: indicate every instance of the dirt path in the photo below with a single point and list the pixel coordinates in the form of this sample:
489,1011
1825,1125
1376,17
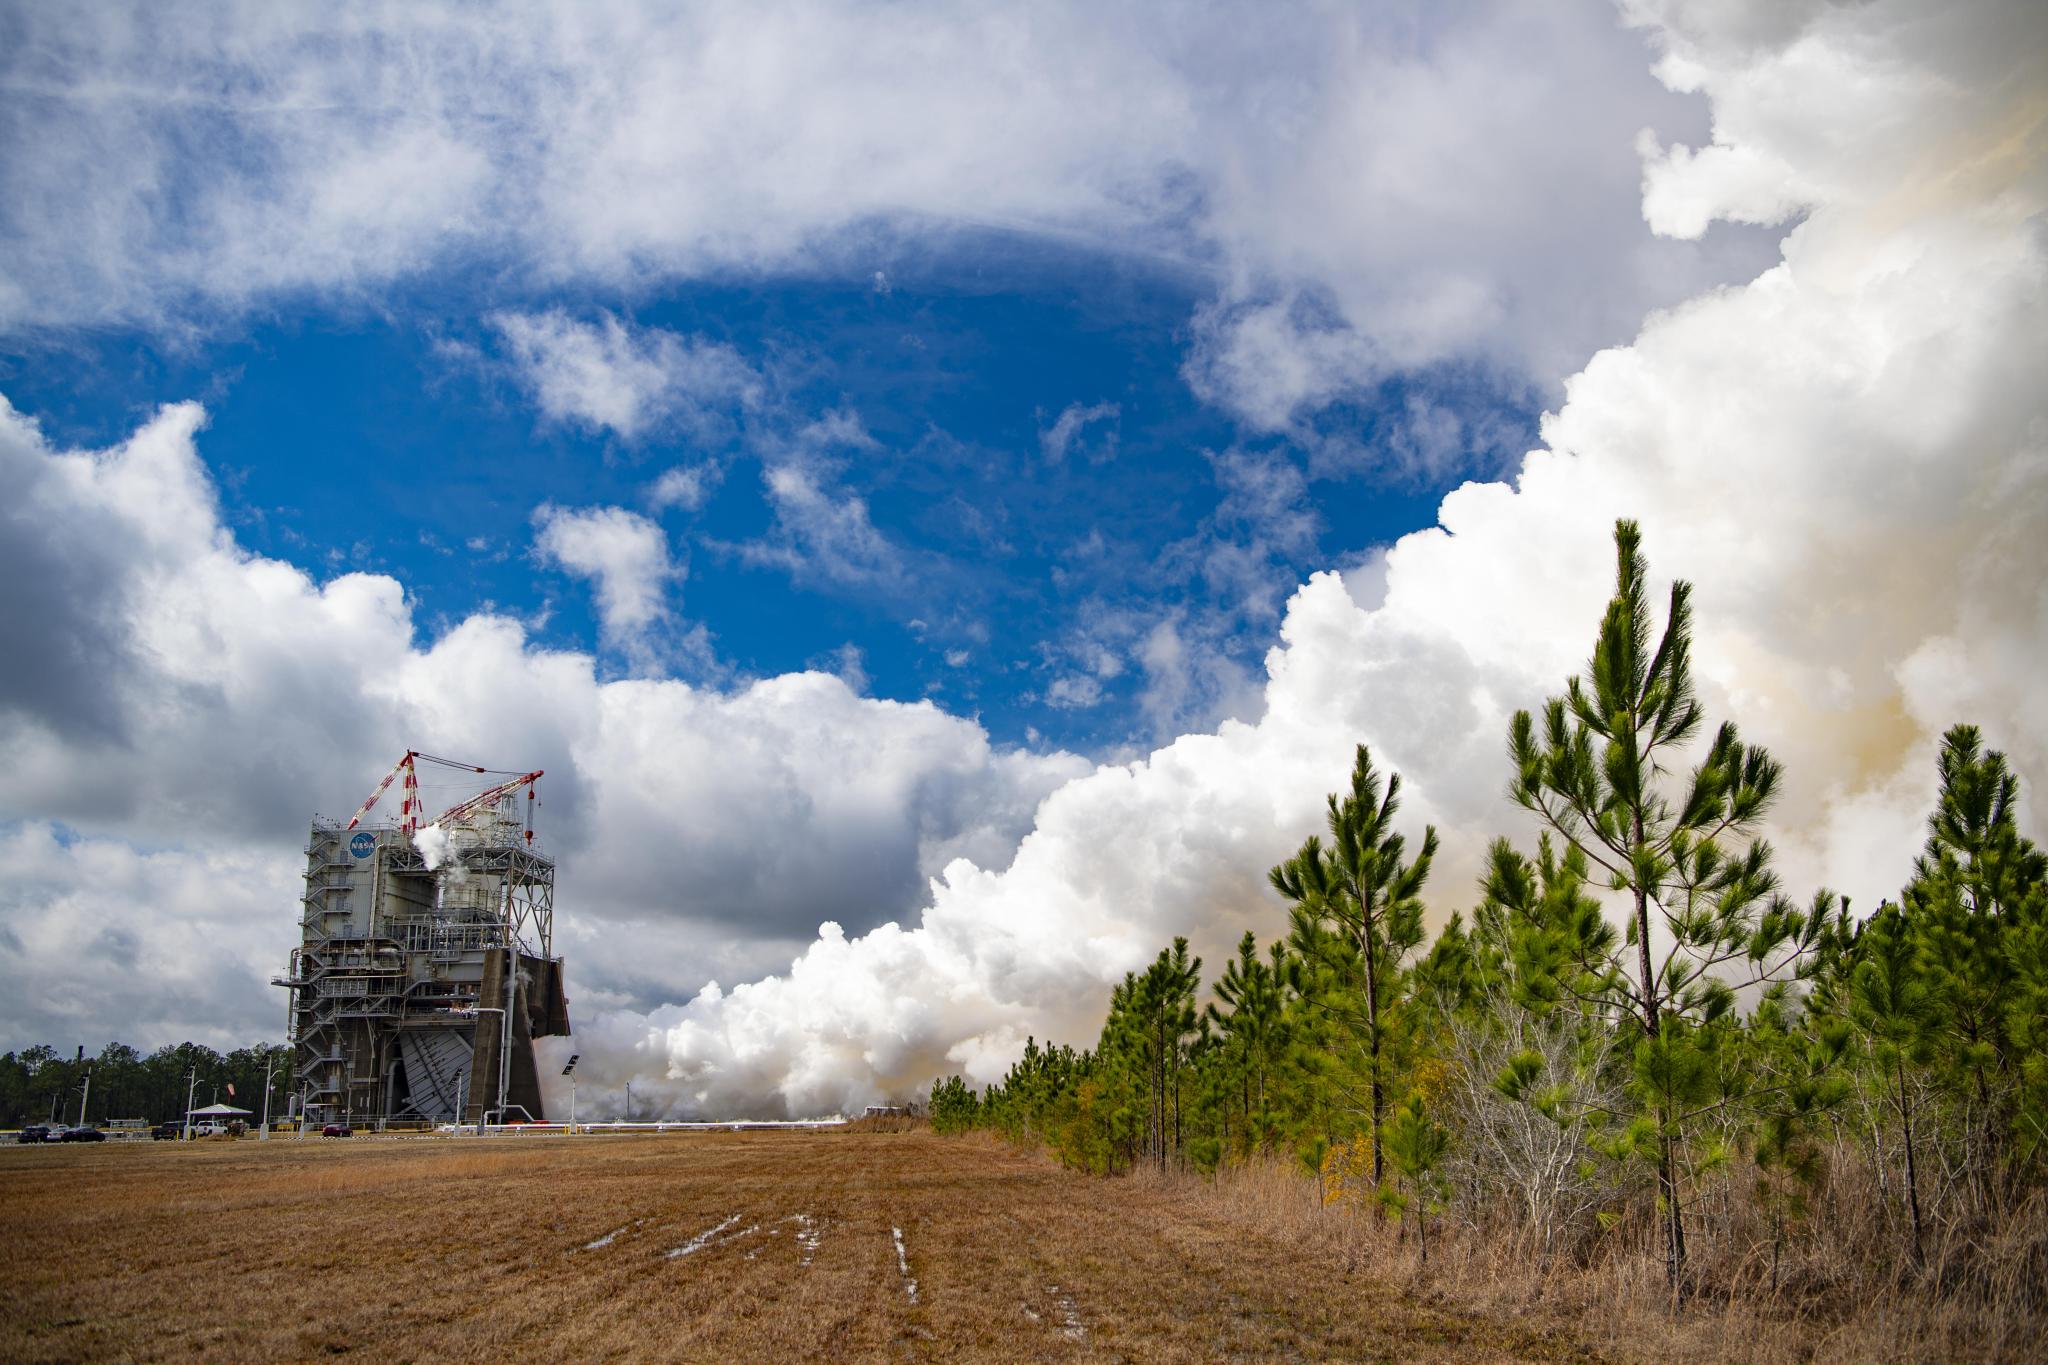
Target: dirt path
700,1247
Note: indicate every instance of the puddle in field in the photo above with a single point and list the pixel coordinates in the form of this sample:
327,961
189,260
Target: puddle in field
903,1264
602,1242
708,1237
1070,1314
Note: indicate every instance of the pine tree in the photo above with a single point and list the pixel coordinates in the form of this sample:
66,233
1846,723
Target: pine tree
1977,901
1357,914
1889,1003
1416,1144
1702,900
1254,1029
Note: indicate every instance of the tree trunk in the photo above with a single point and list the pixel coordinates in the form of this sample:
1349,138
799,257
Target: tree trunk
1372,1029
1667,1157
1912,1174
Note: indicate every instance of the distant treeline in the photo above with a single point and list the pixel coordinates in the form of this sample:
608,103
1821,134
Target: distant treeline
1635,1038
41,1084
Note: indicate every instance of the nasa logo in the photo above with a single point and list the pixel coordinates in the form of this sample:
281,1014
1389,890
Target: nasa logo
363,845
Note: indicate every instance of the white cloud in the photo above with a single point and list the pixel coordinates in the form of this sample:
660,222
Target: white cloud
607,374
1371,188
822,531
182,707
623,553
154,945
1073,692
685,486
1055,441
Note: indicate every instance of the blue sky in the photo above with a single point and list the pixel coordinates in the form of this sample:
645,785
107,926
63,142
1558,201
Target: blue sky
402,441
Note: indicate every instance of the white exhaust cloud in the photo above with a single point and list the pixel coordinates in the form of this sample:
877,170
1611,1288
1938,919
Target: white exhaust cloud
433,844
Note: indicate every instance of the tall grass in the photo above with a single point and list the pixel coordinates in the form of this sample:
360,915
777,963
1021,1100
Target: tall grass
1837,1295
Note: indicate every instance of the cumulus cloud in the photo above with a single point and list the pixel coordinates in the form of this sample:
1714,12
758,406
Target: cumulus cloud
609,375
1371,188
93,927
711,829
685,486
623,553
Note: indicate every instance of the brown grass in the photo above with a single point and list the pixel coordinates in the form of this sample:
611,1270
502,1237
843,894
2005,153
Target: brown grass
415,1249
1833,1301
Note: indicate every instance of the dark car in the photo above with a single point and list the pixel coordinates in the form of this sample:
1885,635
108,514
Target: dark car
35,1132
82,1134
166,1132
337,1130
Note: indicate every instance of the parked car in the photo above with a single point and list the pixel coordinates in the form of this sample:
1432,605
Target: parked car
337,1130
35,1132
82,1134
167,1132
200,1130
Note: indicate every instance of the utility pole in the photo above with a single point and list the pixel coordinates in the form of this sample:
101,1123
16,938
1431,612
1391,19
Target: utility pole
85,1090
191,1085
569,1071
629,1101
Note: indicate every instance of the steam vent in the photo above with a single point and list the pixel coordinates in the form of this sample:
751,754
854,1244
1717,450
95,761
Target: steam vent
426,965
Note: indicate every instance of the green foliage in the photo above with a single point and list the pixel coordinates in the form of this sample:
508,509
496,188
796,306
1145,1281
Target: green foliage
41,1085
1415,1148
1634,1017
955,1107
1356,916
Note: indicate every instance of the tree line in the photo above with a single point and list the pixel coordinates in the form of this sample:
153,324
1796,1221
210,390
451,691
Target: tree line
43,1085
1635,1031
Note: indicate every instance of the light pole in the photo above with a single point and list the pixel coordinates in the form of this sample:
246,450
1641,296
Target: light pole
569,1071
269,1064
84,1093
629,1101
191,1084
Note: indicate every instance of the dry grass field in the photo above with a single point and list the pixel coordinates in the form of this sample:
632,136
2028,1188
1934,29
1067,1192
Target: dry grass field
792,1245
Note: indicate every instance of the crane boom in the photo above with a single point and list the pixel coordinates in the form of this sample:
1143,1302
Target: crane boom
489,796
409,810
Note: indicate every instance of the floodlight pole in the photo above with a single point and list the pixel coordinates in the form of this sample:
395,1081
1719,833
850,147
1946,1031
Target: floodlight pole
191,1085
570,1072
84,1093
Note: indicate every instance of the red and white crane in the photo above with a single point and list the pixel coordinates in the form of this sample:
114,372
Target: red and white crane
409,810
490,797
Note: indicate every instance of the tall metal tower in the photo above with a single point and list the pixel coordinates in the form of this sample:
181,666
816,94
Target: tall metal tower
426,966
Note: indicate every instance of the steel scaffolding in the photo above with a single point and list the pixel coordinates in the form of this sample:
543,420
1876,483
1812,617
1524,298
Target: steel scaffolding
425,970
